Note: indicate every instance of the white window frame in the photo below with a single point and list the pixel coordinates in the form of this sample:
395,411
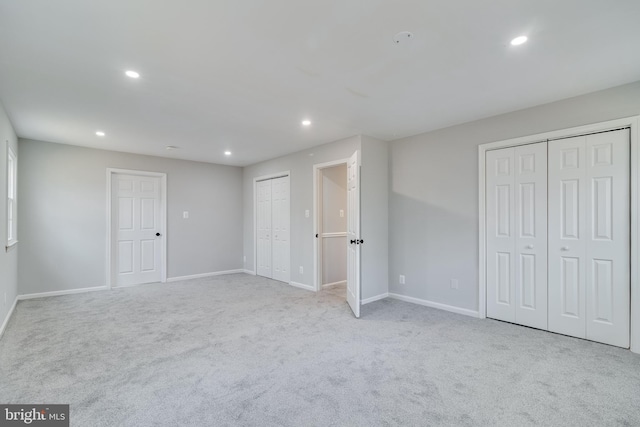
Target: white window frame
12,200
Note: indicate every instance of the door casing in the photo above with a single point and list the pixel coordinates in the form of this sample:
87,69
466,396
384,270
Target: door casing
317,216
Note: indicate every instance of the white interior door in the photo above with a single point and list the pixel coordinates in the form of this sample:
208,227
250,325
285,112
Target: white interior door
500,234
353,233
517,234
263,227
137,230
530,162
280,229
589,249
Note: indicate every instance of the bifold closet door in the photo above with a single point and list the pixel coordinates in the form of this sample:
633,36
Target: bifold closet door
516,206
589,229
263,228
280,228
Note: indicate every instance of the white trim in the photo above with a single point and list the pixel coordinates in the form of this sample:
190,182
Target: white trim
64,292
302,286
374,299
330,235
13,157
437,305
633,123
334,284
317,217
163,219
250,272
8,317
198,276
10,246
255,214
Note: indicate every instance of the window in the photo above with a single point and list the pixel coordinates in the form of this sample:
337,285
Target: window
12,187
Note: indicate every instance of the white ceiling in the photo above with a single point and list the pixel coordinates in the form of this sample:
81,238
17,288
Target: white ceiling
242,74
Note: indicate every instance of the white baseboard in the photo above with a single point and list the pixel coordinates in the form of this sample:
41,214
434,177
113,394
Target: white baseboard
374,299
303,286
437,305
64,292
331,285
8,317
198,276
253,273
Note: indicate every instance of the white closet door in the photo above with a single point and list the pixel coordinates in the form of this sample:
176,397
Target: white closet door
500,235
567,236
530,163
589,250
280,225
517,234
608,248
263,226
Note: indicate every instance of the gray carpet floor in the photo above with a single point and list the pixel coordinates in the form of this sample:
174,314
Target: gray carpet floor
244,350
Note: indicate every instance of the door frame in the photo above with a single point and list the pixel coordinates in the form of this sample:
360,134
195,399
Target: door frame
631,122
163,220
255,216
317,216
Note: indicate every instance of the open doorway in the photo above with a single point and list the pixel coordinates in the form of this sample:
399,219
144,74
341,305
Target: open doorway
331,228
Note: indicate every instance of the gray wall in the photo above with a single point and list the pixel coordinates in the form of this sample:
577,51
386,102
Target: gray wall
62,215
334,199
374,217
8,259
302,233
434,191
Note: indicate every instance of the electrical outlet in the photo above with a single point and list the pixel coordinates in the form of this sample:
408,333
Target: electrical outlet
402,279
244,258
341,213
306,213
301,270
185,215
454,283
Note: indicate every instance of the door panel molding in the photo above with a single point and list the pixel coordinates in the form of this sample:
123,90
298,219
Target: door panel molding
600,156
109,263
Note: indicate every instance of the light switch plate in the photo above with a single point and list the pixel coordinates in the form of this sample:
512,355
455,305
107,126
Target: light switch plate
185,214
306,213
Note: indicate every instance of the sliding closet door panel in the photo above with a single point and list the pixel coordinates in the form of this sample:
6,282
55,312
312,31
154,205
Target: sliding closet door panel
281,232
263,227
500,170
530,193
567,236
608,247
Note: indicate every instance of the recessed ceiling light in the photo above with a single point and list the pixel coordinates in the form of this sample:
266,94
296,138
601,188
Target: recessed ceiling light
132,74
100,133
306,123
227,153
519,40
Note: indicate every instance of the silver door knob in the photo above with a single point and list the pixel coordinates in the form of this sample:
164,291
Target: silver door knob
529,246
564,248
